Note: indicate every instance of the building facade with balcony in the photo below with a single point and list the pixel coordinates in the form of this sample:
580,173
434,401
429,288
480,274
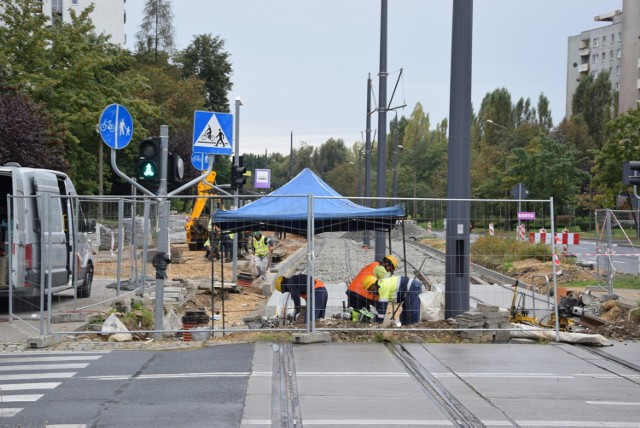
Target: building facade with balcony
613,48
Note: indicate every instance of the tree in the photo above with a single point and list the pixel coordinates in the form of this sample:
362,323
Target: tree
344,180
156,31
206,59
545,121
24,37
28,134
622,145
556,171
329,155
496,107
416,128
593,100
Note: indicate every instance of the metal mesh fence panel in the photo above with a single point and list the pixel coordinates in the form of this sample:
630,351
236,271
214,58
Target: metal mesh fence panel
227,275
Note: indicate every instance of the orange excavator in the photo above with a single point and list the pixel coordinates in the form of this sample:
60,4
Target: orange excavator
196,225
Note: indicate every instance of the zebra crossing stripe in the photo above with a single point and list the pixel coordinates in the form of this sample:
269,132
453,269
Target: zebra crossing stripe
50,359
21,397
8,412
19,367
34,376
23,386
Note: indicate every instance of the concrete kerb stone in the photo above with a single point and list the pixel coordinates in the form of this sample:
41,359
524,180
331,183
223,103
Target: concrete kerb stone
308,338
39,342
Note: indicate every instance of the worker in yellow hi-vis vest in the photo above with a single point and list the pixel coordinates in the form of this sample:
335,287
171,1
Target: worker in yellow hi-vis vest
262,249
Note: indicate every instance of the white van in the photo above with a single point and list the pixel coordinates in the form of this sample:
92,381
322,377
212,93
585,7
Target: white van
42,211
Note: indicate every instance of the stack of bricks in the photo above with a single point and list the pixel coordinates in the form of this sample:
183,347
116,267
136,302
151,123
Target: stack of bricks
486,322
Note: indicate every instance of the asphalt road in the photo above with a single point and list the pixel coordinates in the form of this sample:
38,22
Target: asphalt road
624,259
328,384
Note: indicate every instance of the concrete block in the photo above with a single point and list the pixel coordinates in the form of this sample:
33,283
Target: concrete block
487,308
308,338
496,316
43,341
471,334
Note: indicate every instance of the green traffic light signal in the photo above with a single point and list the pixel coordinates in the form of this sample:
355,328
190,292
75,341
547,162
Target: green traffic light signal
148,170
149,159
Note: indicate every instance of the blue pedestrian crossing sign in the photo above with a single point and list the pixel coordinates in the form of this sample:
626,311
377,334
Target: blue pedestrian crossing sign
200,161
116,126
212,132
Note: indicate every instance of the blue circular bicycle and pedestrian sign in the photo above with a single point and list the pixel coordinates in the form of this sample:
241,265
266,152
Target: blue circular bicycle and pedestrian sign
116,126
200,161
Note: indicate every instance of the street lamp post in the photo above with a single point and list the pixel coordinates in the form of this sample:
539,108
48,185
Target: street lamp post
491,122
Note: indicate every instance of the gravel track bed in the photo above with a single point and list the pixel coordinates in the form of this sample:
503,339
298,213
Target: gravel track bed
339,256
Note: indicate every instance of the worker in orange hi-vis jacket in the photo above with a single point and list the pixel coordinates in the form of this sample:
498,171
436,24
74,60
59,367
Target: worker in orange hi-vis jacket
360,298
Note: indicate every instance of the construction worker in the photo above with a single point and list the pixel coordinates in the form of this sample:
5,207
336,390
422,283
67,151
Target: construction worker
227,246
359,298
296,286
399,289
262,249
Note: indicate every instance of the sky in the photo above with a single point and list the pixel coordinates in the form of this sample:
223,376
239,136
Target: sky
301,66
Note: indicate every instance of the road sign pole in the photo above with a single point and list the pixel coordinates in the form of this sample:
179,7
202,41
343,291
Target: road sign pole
161,259
236,200
519,201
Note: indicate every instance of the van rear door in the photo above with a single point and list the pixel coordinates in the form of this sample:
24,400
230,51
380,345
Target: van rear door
54,246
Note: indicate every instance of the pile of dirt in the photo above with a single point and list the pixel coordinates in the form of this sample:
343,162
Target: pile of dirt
532,271
230,306
617,325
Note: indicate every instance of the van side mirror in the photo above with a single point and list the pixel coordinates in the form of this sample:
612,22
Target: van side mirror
87,226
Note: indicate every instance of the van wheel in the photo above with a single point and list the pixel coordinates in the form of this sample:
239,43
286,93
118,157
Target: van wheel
84,290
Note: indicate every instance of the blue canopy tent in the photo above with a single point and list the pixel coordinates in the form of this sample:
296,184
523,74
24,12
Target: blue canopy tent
286,210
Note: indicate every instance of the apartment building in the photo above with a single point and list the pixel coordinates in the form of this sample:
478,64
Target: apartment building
108,16
614,48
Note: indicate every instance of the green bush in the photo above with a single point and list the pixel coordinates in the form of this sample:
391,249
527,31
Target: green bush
584,224
493,252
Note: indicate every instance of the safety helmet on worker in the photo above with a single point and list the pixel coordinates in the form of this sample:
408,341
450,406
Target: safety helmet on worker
278,283
391,259
368,281
257,233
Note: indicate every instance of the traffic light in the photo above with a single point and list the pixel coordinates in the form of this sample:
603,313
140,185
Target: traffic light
237,177
176,168
635,178
149,161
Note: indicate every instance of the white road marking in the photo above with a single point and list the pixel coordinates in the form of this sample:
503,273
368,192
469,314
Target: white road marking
23,386
34,376
9,412
21,397
19,367
66,426
50,359
169,376
615,403
436,422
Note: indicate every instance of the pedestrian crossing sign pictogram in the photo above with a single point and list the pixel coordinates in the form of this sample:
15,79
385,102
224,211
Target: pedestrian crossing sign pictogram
212,132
